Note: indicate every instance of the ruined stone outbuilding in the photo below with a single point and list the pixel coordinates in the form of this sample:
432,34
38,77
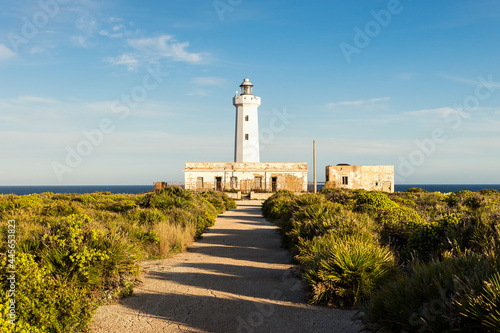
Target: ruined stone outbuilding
355,177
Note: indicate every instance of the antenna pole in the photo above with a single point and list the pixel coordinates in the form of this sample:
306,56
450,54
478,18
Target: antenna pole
314,166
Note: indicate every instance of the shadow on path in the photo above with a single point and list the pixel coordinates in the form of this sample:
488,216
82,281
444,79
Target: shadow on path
236,279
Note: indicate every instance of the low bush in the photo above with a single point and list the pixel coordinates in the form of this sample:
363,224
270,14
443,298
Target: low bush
428,297
75,251
397,223
320,219
342,271
416,190
375,200
428,239
44,303
431,206
447,245
482,307
148,217
341,196
277,204
459,198
219,200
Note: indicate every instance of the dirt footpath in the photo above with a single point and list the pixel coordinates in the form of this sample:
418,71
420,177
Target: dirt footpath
236,279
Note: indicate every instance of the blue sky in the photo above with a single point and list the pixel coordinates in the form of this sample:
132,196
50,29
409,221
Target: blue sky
126,92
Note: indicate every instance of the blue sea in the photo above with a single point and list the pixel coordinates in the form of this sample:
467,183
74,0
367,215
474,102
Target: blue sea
447,188
117,189
443,188
134,189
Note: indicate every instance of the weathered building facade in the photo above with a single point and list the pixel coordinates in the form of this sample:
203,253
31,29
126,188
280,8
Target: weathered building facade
354,177
246,177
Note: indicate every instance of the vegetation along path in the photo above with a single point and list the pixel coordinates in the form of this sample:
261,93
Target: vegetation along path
236,279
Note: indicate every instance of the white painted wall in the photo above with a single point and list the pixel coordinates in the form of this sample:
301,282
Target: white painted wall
247,150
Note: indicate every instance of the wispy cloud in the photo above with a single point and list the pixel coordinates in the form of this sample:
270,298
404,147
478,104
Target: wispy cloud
406,76
437,112
129,60
116,31
36,99
38,50
209,81
199,92
373,103
86,25
48,114
165,46
476,83
6,53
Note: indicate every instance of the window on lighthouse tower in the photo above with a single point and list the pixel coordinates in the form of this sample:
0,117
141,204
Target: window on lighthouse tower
246,118
246,136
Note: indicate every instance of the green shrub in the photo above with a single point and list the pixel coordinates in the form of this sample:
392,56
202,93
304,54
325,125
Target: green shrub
484,231
173,196
148,217
343,271
341,196
215,198
85,259
73,249
458,198
219,200
119,270
431,206
120,205
205,214
278,204
416,190
309,199
475,201
425,240
376,200
320,219
428,239
230,203
489,192
401,201
45,303
397,223
483,307
87,200
426,298
61,208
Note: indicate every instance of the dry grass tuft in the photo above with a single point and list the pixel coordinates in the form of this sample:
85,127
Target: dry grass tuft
173,238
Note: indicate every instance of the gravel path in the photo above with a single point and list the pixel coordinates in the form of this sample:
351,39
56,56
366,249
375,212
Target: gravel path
236,279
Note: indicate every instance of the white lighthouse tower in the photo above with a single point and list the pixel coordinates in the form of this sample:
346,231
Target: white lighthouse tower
246,143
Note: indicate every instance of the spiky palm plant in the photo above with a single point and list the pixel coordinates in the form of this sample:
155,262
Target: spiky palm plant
342,271
484,308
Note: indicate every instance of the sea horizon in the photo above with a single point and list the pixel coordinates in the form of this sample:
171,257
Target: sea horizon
136,189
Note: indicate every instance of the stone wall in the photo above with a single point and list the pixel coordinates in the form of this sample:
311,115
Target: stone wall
370,178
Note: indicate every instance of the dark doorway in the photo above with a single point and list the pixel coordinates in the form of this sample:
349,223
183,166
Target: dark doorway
218,183
274,184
